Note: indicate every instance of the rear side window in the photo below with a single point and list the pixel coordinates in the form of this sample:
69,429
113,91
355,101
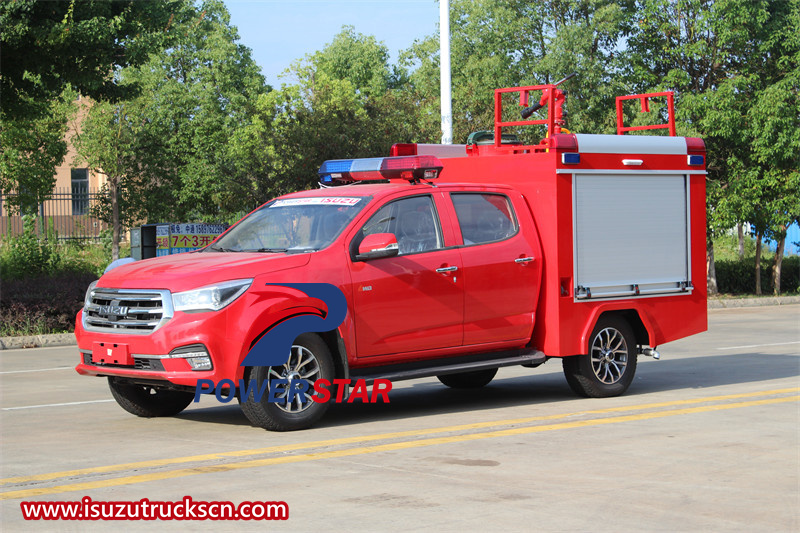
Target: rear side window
484,217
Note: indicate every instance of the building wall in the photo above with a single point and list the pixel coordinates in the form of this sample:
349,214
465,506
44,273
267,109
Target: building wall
68,210
72,159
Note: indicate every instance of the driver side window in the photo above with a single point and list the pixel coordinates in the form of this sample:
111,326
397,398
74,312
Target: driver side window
412,220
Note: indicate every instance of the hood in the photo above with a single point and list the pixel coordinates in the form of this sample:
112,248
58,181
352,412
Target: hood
191,270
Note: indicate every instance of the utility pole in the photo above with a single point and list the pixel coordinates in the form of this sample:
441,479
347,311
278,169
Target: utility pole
444,69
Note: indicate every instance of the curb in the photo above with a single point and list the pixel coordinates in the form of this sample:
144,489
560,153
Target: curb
733,303
68,339
37,341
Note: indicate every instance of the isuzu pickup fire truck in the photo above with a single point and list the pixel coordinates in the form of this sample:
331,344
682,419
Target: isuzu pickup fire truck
454,260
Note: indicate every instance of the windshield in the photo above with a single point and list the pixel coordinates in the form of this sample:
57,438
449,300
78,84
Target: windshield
291,225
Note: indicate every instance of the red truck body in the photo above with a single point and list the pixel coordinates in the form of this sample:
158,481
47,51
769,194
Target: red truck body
589,248
565,322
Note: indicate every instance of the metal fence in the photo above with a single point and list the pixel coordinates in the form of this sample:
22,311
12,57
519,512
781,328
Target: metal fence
67,213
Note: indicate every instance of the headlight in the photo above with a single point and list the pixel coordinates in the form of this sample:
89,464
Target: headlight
210,298
88,298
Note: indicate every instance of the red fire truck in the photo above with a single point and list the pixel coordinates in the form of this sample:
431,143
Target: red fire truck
454,260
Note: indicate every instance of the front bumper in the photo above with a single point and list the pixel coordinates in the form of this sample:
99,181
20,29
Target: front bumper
153,356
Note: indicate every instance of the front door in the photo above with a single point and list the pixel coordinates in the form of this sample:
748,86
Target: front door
413,301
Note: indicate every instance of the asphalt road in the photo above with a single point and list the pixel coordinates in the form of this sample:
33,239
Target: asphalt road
705,440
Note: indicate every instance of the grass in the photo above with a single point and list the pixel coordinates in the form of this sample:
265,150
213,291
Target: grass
726,248
44,282
29,325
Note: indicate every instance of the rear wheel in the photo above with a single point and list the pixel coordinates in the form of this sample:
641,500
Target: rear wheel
609,367
308,361
148,401
468,380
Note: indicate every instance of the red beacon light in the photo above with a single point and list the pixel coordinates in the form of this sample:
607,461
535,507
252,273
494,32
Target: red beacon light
411,168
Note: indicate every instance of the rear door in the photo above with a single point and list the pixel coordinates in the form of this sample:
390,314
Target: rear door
631,234
501,265
414,301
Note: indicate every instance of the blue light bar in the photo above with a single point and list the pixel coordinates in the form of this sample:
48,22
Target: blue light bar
570,159
696,160
335,166
411,168
335,170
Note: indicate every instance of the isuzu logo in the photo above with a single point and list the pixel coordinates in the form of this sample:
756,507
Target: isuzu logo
113,311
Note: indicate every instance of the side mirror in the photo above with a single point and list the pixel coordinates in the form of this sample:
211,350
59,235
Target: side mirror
378,245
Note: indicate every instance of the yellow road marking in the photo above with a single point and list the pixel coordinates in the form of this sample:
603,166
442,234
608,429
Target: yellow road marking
408,444
369,438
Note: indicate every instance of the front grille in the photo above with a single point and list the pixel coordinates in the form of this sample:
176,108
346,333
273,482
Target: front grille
147,364
127,310
139,363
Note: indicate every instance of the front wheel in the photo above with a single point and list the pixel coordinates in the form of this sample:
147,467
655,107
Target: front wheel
147,401
309,360
608,369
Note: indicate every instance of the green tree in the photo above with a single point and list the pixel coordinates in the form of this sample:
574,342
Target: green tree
47,46
347,102
355,57
733,64
109,145
200,92
48,52
511,43
773,120
769,172
31,148
167,153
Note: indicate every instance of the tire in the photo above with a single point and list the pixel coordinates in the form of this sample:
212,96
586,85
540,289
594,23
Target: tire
310,360
608,369
468,380
148,401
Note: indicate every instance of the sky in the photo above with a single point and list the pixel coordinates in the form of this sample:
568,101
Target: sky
282,31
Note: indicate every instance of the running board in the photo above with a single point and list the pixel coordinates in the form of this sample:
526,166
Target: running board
451,365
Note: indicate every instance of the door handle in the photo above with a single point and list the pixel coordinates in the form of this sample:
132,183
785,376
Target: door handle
445,270
523,260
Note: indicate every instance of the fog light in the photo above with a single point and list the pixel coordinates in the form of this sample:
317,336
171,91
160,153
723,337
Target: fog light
199,363
195,354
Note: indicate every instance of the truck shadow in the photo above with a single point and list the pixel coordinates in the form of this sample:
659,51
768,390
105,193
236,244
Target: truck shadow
430,398
228,414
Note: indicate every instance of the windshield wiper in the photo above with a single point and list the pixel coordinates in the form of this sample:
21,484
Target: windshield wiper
220,249
269,250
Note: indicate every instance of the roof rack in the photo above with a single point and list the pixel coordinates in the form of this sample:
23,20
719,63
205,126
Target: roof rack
644,100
